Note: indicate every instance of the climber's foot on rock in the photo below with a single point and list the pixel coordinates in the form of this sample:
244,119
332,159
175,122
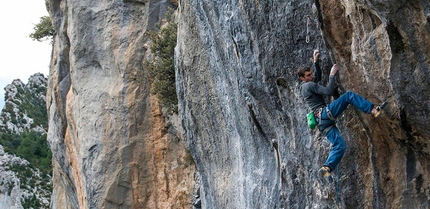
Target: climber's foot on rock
376,112
325,173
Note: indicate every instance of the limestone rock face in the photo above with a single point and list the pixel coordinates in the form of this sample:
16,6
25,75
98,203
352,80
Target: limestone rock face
112,146
241,116
245,120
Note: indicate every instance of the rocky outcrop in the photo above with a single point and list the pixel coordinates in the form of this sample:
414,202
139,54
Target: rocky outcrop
240,113
20,185
244,119
24,108
10,194
24,155
112,146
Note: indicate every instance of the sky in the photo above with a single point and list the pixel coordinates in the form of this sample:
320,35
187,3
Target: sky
20,56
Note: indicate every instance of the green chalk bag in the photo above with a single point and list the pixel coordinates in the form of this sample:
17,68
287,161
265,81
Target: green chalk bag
311,120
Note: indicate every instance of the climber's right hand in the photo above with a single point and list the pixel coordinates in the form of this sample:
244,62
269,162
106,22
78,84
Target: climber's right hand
334,69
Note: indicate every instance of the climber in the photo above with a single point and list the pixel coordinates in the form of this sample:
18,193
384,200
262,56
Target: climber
326,114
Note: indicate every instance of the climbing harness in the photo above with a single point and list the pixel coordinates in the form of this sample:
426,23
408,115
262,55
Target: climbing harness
326,123
326,130
329,114
308,22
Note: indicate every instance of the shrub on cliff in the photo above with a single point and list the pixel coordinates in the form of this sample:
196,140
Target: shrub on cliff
43,30
161,66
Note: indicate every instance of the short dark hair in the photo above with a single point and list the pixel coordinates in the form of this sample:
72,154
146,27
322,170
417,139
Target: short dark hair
302,70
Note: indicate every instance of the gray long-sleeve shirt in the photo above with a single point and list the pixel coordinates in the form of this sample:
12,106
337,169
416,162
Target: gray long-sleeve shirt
313,93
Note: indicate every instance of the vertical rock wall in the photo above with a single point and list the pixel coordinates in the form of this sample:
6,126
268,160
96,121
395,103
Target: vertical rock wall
112,147
240,107
244,119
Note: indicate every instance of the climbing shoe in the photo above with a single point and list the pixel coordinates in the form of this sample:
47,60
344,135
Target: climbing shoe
379,109
325,173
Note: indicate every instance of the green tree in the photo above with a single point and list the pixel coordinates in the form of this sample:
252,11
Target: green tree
43,30
161,67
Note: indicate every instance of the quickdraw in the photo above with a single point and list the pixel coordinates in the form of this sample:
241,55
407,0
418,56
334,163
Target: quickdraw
308,22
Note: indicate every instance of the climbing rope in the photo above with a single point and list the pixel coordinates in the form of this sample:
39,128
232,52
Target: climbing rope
337,188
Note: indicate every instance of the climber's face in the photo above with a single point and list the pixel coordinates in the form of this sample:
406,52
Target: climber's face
308,76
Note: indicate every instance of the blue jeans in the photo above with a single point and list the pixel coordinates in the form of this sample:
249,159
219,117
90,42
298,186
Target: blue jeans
333,135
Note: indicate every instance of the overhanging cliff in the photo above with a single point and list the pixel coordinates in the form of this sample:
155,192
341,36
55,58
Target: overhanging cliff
239,105
236,64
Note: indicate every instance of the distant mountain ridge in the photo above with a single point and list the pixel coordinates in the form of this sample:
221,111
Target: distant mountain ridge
24,107
25,159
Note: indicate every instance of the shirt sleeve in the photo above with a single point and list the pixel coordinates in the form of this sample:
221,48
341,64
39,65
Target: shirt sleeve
317,72
324,90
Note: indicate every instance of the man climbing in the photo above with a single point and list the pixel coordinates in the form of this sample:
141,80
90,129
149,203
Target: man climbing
313,94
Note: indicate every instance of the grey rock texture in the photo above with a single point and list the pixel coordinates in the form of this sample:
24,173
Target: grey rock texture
238,91
241,116
111,145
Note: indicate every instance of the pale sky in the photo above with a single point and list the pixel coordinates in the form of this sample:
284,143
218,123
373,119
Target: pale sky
20,56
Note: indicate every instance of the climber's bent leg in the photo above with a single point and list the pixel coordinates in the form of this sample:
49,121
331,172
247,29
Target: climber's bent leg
339,105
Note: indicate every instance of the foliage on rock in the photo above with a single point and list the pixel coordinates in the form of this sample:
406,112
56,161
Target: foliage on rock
43,30
23,125
161,65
